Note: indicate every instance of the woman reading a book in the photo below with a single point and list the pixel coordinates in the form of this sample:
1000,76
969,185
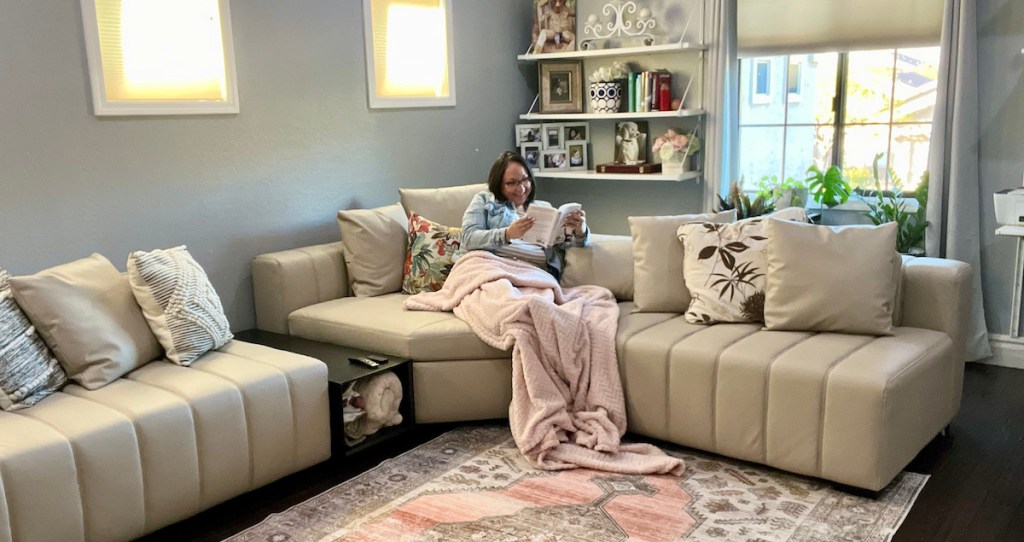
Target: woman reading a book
499,219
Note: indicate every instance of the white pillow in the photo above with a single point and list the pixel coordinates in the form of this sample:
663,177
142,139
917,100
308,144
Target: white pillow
179,303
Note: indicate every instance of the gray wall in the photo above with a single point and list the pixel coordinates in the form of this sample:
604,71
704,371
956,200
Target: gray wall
1001,116
231,187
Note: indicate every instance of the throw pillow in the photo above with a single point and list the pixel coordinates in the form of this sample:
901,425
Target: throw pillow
178,301
28,371
86,313
374,242
724,268
831,278
442,205
658,260
429,258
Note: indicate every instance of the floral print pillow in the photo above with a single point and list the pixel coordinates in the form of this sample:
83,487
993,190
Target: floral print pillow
724,268
429,258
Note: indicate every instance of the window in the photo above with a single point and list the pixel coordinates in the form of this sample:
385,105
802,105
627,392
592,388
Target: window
762,82
851,106
409,53
160,57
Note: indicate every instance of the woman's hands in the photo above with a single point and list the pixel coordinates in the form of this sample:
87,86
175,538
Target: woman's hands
576,222
518,228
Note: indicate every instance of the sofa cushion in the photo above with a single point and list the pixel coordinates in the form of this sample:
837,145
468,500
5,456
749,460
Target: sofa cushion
94,351
831,278
607,261
658,260
442,205
381,324
178,301
374,241
28,371
428,260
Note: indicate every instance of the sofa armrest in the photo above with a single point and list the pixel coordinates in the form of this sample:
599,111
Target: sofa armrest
607,261
937,296
286,281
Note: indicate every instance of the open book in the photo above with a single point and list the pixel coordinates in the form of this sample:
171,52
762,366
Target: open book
549,223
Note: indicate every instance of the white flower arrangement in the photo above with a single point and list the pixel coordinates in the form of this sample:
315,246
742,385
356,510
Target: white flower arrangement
604,74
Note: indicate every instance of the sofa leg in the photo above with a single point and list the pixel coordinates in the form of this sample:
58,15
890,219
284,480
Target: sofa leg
859,491
945,432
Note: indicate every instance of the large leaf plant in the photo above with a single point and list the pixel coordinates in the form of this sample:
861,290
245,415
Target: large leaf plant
892,207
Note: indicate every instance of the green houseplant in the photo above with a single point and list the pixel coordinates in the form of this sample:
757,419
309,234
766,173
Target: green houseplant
892,207
788,193
741,202
829,187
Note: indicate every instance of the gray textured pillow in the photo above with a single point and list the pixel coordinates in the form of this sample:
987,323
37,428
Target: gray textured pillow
374,241
86,313
28,371
831,278
658,260
178,301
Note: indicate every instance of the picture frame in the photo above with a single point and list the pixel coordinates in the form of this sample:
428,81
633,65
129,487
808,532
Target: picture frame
561,86
577,131
577,154
631,142
553,136
531,153
554,160
527,133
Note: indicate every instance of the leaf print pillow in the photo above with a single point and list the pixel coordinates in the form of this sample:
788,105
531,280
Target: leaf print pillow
429,257
724,268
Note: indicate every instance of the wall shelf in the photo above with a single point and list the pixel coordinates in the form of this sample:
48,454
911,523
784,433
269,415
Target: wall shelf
617,51
593,175
611,116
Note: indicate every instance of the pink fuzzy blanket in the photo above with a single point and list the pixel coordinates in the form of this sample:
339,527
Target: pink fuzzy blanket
567,406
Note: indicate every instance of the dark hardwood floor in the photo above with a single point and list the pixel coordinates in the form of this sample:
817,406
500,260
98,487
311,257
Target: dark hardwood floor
975,493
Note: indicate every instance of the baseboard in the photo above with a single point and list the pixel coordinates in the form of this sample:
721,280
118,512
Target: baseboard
1006,351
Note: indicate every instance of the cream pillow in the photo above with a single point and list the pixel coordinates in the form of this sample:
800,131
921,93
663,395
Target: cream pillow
658,260
831,278
86,313
441,205
724,267
607,261
374,242
178,301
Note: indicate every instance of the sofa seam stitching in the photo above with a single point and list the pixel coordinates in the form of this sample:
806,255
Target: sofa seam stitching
823,401
714,386
767,391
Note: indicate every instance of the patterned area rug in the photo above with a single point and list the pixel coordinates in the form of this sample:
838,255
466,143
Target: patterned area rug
473,484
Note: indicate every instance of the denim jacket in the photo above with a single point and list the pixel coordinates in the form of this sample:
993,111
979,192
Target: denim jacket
485,222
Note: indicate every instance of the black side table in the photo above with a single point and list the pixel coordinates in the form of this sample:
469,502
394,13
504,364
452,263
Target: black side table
340,372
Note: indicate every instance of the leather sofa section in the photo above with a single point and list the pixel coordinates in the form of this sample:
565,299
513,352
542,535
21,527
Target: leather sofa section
291,279
473,389
381,324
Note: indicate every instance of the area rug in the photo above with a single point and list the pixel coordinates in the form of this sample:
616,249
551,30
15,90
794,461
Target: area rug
473,484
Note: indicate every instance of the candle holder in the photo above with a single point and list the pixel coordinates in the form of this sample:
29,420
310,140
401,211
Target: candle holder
619,27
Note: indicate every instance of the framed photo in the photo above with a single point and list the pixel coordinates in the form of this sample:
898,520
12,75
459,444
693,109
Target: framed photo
555,159
577,131
527,133
631,142
531,152
577,151
554,26
561,87
553,136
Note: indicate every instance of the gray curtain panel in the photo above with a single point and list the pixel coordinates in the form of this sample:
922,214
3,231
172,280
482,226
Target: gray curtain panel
954,191
721,99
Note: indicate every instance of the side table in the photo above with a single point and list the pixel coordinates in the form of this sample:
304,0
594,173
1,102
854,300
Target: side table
1018,275
340,372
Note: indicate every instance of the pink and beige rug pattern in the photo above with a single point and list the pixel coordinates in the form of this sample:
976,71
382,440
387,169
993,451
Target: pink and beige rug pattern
473,484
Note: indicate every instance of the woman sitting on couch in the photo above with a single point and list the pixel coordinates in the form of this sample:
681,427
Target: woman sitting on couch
496,219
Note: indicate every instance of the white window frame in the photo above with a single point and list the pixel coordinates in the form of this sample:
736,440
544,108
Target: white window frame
386,102
759,97
102,106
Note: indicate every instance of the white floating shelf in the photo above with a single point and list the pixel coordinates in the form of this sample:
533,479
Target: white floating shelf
618,51
593,175
588,116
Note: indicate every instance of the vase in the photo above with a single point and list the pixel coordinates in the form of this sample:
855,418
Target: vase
605,97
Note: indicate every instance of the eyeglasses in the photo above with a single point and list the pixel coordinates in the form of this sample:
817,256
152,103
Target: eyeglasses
524,182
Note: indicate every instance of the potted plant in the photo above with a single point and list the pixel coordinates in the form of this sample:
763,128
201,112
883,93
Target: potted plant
741,202
828,188
788,193
890,206
606,87
675,149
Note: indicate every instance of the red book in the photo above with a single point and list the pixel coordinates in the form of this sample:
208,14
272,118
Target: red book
665,91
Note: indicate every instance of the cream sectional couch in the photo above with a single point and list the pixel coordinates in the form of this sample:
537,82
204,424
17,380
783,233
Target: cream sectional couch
853,409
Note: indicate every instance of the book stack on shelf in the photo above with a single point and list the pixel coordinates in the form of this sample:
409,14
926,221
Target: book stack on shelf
649,90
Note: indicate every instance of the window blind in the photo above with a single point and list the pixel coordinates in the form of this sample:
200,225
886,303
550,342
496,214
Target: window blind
777,27
410,48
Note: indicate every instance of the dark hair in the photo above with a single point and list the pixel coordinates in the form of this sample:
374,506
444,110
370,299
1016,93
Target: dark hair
497,176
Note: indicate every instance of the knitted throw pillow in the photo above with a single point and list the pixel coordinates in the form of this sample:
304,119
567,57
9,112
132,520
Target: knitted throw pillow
429,257
28,371
179,303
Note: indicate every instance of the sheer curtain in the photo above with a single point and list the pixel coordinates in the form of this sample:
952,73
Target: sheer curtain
721,99
954,191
